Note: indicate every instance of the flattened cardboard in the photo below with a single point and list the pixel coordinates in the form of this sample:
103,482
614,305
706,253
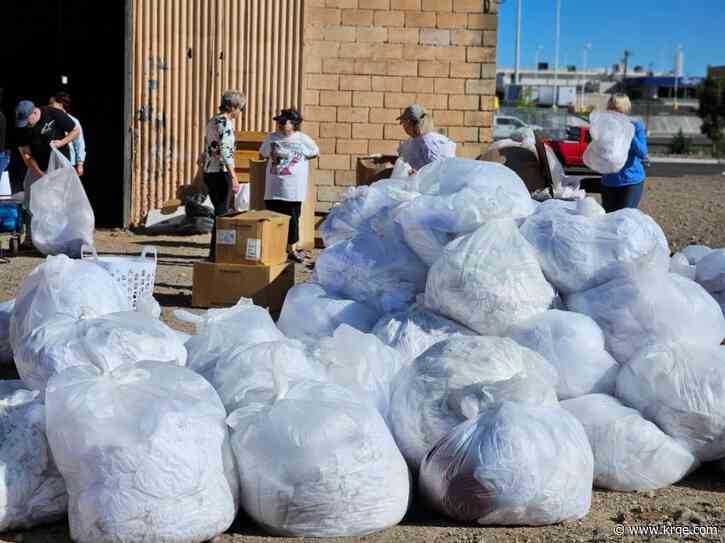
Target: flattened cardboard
252,238
221,285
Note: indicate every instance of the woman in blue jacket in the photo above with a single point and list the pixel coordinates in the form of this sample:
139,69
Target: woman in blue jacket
624,188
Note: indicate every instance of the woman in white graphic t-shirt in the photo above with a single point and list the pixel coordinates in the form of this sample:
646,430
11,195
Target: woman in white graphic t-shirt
288,152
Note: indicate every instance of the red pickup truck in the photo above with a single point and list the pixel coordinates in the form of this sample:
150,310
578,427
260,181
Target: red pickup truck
571,149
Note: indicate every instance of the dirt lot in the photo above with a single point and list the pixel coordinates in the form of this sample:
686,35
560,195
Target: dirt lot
689,209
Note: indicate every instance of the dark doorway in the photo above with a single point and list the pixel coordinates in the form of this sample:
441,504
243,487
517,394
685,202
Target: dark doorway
77,46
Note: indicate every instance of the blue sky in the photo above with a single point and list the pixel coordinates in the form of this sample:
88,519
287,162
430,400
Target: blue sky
651,29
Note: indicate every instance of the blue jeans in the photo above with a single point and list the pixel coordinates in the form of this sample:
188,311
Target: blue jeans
616,198
4,161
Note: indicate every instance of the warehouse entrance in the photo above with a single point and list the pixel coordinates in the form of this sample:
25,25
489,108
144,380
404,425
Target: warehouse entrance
77,46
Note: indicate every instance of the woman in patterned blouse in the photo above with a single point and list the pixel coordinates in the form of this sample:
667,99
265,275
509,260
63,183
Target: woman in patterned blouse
218,157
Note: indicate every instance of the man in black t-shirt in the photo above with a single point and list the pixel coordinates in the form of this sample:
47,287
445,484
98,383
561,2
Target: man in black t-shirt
38,129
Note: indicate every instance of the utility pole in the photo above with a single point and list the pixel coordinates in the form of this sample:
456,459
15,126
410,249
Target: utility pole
556,54
627,54
517,75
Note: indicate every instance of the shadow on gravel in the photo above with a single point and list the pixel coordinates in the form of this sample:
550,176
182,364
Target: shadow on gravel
178,299
708,477
174,243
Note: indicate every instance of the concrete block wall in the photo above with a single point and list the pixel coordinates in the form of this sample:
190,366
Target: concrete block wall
366,60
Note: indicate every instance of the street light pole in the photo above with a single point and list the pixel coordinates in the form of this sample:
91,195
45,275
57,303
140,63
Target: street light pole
517,75
585,50
556,56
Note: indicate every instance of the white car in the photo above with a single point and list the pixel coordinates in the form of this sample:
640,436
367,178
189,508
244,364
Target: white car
504,126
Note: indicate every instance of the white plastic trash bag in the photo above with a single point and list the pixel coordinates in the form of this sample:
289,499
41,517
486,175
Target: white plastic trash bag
680,265
680,387
359,205
488,280
62,217
630,453
574,344
219,331
145,453
612,134
650,308
61,286
251,373
318,464
514,464
108,341
458,378
469,194
309,313
6,350
695,253
710,271
362,363
242,197
378,270
32,489
579,252
412,330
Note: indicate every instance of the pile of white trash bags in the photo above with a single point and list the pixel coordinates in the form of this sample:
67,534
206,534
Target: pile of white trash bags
500,308
498,356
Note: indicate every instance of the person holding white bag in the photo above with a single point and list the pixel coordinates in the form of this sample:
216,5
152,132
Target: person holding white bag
624,188
39,129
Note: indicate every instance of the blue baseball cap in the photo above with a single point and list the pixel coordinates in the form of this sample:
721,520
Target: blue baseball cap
22,111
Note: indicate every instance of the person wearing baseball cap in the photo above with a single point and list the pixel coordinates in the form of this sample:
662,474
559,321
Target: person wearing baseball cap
39,129
289,152
425,145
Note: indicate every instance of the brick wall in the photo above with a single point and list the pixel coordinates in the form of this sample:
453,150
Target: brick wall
366,60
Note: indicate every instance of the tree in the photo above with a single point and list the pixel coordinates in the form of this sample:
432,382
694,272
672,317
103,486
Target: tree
712,110
680,145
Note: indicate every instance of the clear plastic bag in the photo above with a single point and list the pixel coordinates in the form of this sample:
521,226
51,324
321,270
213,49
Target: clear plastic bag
680,387
574,344
459,195
710,271
309,313
62,217
458,378
362,363
61,286
145,453
219,331
579,252
488,280
33,491
630,453
106,342
649,308
316,463
250,374
612,135
413,330
514,464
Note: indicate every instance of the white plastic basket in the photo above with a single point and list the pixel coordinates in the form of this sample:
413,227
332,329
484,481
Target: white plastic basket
135,274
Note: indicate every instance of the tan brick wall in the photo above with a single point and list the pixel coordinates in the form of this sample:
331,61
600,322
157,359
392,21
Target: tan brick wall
365,60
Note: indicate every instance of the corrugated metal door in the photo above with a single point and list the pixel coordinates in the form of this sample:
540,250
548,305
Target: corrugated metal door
185,54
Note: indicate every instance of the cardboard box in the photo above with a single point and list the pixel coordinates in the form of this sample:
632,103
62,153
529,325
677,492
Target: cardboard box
257,180
252,237
221,285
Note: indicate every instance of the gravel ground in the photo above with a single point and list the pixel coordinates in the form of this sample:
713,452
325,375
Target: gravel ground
689,209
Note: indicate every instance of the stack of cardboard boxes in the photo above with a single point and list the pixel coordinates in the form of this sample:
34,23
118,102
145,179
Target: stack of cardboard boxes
251,262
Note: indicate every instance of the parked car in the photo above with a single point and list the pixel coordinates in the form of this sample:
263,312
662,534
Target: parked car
505,125
571,149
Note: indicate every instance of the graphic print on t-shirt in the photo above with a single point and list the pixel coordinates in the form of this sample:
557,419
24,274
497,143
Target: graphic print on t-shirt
295,154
